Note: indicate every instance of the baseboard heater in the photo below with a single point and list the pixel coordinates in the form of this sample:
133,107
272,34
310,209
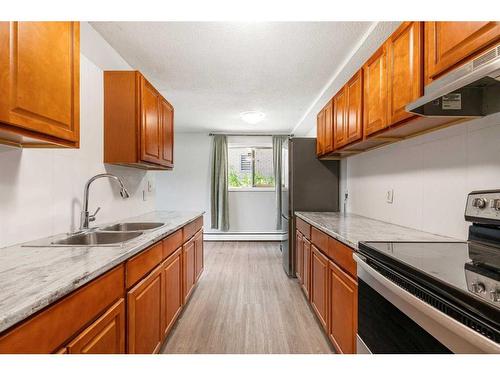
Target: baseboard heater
243,236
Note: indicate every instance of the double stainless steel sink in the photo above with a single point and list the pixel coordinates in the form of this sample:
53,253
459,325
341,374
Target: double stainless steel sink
111,235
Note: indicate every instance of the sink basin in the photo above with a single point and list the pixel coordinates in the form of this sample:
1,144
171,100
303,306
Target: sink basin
131,227
97,239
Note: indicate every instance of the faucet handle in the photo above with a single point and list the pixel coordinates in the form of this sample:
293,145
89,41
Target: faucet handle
92,217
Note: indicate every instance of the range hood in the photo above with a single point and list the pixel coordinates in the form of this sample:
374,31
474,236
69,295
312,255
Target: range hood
471,90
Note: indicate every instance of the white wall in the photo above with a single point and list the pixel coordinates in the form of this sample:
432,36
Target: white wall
41,189
188,187
431,176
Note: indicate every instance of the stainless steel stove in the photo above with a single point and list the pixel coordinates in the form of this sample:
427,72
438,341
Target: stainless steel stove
434,297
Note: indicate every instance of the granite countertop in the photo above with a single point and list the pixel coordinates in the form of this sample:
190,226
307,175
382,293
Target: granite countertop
31,278
351,229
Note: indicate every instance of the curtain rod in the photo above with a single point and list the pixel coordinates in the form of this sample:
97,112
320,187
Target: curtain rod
250,134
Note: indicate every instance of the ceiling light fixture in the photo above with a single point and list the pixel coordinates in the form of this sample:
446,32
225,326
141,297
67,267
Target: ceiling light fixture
252,117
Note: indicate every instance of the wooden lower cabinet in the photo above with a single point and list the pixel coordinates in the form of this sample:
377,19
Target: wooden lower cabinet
319,285
198,245
306,267
299,254
104,336
129,309
343,310
52,328
188,265
146,314
173,289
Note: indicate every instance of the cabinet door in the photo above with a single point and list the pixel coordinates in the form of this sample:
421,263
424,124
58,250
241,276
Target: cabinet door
339,124
319,285
198,246
105,336
40,77
328,113
188,264
450,43
405,69
354,108
173,289
299,253
167,134
343,316
306,264
145,317
375,92
150,123
320,136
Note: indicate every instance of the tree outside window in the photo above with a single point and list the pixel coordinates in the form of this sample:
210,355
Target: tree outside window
250,167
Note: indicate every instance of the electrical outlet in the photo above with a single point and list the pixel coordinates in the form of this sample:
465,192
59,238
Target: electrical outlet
389,198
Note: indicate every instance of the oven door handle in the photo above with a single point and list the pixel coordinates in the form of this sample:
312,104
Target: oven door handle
434,321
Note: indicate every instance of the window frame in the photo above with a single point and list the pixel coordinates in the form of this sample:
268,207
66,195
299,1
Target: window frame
252,188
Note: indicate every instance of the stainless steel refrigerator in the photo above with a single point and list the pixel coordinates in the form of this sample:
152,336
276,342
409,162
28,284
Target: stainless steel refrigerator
309,185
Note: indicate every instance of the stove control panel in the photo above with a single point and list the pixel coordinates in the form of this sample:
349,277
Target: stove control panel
483,206
482,286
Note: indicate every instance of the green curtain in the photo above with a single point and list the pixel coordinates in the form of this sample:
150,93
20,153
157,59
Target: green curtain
219,194
278,141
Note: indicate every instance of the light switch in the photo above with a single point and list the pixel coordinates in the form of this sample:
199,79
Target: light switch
390,196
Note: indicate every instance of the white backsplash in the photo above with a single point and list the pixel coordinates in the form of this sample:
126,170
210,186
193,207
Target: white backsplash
430,175
41,189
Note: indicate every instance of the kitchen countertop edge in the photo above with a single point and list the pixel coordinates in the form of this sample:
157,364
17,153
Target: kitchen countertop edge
17,316
426,236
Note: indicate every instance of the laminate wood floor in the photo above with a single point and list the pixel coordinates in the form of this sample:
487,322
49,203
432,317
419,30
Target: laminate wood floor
245,303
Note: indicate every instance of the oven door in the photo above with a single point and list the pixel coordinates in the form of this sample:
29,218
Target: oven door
392,320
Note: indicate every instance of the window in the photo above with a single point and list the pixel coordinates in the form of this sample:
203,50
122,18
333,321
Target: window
250,167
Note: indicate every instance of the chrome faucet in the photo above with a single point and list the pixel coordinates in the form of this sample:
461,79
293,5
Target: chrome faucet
85,217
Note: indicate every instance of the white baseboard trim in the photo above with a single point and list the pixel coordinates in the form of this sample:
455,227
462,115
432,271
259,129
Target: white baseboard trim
243,236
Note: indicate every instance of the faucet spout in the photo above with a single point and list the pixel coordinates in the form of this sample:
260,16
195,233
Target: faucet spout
85,217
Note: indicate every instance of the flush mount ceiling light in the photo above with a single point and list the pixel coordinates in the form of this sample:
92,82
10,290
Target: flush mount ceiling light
252,117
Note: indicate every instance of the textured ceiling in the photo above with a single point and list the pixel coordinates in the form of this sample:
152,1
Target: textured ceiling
213,71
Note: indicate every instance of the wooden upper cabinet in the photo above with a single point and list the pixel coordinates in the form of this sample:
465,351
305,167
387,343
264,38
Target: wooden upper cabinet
404,69
150,123
138,122
339,118
40,83
173,289
145,316
167,133
105,336
354,108
319,285
375,92
328,113
320,133
451,43
343,310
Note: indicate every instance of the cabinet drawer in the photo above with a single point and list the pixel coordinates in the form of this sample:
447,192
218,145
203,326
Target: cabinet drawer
49,330
303,228
193,227
319,239
172,243
342,256
141,264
